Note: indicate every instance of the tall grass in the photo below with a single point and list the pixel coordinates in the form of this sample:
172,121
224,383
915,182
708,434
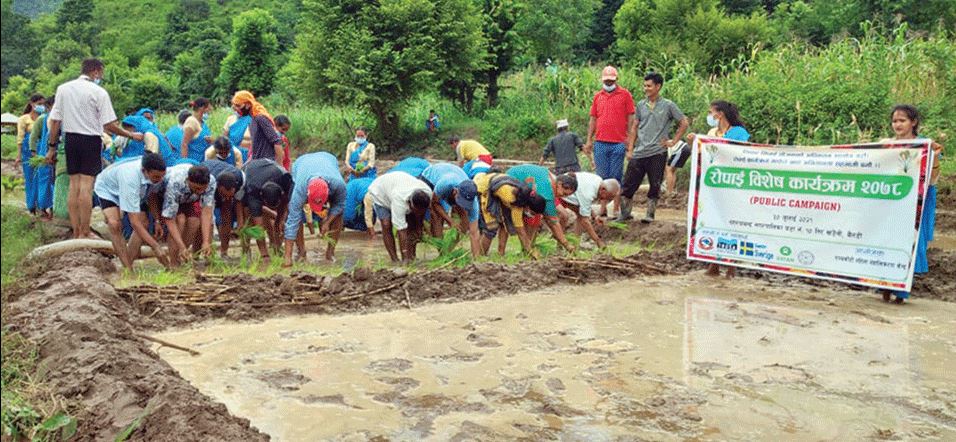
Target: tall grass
792,94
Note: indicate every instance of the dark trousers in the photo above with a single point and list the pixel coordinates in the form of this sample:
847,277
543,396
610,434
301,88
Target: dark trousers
653,167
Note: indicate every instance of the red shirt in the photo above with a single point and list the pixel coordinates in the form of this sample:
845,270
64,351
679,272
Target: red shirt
611,111
286,160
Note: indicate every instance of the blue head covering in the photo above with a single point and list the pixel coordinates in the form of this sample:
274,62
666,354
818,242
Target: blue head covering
137,148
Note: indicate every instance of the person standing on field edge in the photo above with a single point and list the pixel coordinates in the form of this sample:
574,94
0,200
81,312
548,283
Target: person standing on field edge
84,110
611,129
564,146
655,116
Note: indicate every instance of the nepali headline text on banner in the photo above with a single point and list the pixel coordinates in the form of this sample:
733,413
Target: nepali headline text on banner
848,213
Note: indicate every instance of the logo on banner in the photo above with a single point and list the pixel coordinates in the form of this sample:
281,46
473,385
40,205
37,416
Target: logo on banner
727,245
705,243
806,257
786,251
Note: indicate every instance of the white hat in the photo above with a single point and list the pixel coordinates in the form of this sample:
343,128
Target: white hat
562,123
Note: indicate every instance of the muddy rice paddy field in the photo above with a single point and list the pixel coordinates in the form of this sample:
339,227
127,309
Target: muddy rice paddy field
643,347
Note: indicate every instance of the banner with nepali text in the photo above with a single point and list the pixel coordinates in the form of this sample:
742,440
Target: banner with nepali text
847,213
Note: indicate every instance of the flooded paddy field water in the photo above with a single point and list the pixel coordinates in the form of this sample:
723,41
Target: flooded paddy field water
657,358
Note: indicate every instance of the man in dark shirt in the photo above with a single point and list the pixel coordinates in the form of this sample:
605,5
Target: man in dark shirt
565,146
265,197
228,182
266,141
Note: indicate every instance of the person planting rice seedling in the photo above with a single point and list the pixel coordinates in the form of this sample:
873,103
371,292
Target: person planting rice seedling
446,126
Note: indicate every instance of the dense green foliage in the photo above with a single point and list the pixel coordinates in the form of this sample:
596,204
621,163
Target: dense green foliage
376,56
802,71
252,60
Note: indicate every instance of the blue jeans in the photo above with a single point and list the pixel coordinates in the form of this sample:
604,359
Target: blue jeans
609,160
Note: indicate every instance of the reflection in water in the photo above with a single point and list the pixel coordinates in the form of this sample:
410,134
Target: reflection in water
772,343
655,359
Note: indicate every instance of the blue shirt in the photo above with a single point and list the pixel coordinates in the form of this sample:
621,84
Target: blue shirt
737,133
446,177
123,184
411,165
354,215
306,167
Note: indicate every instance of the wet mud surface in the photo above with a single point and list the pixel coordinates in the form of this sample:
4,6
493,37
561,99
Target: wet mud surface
652,358
89,331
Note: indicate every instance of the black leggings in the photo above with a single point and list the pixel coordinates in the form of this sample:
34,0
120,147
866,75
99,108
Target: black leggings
653,167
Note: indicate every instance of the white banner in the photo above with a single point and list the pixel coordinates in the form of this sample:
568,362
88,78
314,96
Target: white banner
847,213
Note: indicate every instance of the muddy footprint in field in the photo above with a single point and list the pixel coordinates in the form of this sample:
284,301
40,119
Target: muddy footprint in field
285,379
394,365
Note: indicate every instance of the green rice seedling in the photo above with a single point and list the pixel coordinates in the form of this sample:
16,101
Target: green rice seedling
37,161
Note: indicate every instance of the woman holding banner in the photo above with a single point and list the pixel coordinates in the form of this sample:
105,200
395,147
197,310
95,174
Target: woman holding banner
724,121
905,120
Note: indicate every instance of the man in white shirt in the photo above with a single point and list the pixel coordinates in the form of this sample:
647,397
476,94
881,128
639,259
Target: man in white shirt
592,189
122,188
400,200
84,111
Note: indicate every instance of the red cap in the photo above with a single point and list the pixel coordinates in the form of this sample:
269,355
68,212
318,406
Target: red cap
609,73
318,194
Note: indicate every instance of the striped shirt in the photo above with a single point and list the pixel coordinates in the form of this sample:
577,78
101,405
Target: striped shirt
83,106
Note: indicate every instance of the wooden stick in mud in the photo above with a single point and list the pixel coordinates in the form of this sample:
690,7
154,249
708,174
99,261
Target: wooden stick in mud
408,299
168,344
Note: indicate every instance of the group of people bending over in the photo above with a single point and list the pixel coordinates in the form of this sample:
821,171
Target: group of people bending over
182,203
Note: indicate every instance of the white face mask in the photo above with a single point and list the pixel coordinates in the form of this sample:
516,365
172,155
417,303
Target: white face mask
610,87
359,140
711,121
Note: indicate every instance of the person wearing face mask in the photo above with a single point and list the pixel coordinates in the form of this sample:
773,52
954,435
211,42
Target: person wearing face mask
84,111
196,134
25,126
723,118
222,150
266,141
360,157
611,129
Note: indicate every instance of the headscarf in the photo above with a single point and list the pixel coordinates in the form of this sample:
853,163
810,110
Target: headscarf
143,111
142,125
245,97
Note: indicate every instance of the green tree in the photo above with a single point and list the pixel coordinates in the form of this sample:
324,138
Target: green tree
19,44
602,36
252,60
664,33
60,52
196,69
378,55
16,94
182,24
74,20
557,29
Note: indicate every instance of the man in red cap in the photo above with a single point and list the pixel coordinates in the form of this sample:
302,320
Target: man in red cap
317,182
612,129
265,195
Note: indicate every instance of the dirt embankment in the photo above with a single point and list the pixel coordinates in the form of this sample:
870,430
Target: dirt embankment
87,342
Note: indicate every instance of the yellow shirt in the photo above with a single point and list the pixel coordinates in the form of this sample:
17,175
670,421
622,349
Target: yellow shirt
211,155
367,155
151,142
468,150
505,194
24,126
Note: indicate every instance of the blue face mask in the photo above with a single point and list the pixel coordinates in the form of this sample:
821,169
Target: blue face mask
711,121
97,80
39,108
205,117
359,140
